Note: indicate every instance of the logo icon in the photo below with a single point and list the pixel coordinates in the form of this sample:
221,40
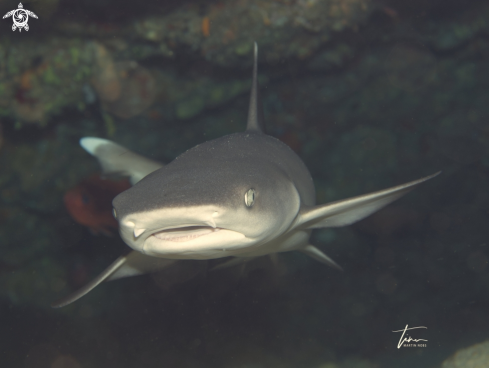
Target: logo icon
20,17
409,342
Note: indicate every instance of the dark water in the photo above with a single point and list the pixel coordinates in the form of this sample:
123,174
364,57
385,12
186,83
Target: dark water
369,93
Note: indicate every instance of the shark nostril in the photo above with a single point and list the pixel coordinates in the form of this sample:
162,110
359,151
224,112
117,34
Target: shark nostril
138,232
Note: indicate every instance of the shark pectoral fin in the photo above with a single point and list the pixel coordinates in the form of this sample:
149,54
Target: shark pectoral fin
235,261
92,284
316,254
140,264
131,264
117,160
349,211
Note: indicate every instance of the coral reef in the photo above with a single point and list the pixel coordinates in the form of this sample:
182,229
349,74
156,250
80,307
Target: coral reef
41,79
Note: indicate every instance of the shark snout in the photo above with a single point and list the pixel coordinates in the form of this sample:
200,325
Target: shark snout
197,231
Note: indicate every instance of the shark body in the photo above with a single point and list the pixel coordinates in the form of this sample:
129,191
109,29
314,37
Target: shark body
243,195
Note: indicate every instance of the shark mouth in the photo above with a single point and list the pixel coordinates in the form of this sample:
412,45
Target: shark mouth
183,234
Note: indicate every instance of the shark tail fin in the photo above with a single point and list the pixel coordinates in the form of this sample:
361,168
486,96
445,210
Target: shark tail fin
315,253
256,121
118,160
348,211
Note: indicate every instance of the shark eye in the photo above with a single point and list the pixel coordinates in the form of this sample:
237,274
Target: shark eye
114,213
250,197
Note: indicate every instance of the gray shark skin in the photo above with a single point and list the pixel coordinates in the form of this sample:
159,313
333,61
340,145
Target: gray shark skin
243,195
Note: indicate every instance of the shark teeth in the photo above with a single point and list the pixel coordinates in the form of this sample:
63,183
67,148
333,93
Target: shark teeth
184,234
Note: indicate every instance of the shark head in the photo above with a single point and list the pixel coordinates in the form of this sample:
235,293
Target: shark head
218,199
225,197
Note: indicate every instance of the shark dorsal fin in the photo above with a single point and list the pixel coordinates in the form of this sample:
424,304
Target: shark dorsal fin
256,122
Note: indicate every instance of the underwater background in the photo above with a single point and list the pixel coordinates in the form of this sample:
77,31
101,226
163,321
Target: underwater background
369,93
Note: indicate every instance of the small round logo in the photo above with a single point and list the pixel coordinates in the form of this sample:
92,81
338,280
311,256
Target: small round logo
20,17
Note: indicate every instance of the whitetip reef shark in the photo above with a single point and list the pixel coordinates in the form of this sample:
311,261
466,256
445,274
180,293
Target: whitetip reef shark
243,195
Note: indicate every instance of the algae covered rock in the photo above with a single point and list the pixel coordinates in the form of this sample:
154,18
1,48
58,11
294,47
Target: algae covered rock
475,356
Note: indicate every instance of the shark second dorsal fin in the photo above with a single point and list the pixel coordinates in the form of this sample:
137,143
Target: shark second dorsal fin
256,122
